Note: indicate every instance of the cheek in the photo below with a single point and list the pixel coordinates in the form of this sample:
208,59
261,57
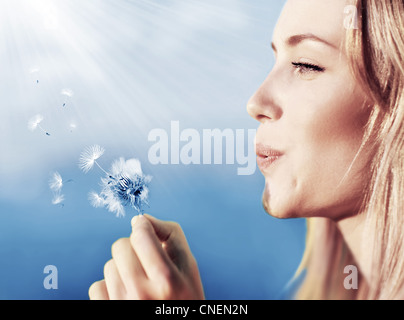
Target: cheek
327,134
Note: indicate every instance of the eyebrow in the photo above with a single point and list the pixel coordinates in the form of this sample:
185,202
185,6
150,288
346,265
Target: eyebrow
295,40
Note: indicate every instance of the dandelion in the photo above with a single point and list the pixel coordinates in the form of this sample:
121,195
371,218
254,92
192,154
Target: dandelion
35,122
124,186
89,157
127,185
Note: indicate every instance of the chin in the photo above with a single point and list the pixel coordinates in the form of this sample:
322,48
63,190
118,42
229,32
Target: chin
280,198
277,210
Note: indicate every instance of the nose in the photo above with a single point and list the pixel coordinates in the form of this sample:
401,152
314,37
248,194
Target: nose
263,106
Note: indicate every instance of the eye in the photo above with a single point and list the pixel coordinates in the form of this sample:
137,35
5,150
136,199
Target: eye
303,68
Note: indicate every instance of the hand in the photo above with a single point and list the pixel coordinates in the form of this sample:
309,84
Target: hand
154,263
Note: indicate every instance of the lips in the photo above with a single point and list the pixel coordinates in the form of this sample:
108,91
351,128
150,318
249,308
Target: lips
266,156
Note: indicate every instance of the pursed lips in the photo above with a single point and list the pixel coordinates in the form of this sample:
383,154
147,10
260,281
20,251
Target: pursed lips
266,155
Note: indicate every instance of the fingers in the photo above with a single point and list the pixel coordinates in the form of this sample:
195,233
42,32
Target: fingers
129,268
154,263
173,239
163,229
115,287
164,252
149,250
98,291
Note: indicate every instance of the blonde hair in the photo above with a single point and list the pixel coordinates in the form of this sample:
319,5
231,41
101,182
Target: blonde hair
376,51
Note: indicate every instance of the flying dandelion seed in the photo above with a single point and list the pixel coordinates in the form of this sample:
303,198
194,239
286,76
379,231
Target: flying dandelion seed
58,199
72,127
35,122
89,157
34,70
124,186
56,182
68,93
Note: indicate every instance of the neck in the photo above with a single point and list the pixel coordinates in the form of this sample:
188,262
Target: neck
352,229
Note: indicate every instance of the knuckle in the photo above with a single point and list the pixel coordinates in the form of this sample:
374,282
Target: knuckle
178,230
193,263
175,229
175,226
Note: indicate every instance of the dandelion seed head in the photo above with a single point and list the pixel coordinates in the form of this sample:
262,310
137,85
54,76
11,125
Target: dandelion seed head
124,186
56,182
34,122
89,156
128,184
144,195
108,199
115,206
130,168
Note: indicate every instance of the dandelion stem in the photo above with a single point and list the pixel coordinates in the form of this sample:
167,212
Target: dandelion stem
95,161
46,132
39,126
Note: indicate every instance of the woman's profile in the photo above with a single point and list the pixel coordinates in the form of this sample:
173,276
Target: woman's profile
330,145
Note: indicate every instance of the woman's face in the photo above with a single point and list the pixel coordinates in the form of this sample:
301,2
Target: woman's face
312,115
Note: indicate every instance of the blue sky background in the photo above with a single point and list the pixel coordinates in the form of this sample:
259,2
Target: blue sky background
133,66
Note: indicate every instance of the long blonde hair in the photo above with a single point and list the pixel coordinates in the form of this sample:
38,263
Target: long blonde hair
376,51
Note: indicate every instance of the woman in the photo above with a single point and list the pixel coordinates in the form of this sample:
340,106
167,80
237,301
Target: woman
331,147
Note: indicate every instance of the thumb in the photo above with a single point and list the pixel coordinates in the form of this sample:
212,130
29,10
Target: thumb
163,229
173,240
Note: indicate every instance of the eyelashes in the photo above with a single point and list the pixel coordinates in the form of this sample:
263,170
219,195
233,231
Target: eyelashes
304,68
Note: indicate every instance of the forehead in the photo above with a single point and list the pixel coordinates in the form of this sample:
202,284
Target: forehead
323,18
